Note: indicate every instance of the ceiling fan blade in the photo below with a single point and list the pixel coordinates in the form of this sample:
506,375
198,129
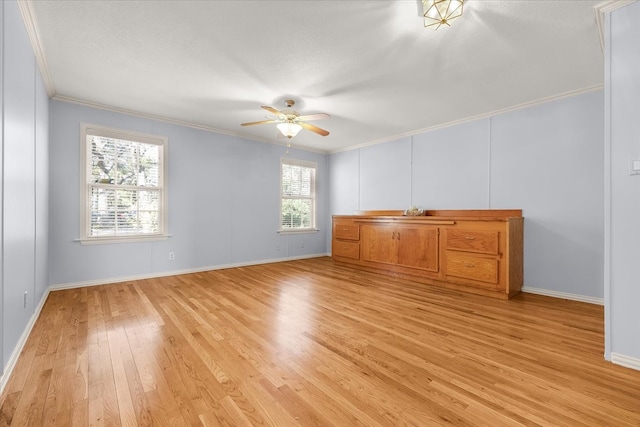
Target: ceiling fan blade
261,122
318,116
315,129
272,110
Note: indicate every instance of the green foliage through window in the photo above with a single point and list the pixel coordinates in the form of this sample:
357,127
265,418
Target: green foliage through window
298,196
124,187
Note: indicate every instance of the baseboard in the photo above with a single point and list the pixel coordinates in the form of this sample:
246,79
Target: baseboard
13,359
106,281
626,361
563,295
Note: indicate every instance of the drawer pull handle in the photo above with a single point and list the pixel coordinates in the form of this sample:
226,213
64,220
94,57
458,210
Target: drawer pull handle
469,265
469,237
398,235
345,229
393,236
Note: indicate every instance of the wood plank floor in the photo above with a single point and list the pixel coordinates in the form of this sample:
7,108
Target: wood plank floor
313,343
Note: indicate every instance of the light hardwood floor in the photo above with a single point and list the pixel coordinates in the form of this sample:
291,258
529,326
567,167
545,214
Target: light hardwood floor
313,343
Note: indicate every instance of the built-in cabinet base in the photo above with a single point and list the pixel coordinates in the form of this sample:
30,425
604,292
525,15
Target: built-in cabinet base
478,251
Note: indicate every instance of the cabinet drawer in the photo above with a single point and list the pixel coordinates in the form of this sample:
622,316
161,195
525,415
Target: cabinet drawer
485,242
346,249
346,231
474,268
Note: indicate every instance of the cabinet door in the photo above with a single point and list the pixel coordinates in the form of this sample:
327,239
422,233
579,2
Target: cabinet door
417,247
378,243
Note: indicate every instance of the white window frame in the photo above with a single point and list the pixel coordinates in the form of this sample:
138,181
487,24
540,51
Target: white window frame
85,183
312,197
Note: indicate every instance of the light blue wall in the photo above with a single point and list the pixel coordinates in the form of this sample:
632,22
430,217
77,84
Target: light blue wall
622,59
344,170
385,175
546,160
42,189
223,202
451,167
2,364
25,181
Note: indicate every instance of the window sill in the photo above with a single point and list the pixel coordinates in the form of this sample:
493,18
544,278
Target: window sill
301,231
127,239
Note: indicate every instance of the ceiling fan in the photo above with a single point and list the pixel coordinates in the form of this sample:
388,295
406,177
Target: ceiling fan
290,122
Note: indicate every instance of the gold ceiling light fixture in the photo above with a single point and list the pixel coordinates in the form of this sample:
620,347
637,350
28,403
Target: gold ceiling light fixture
440,12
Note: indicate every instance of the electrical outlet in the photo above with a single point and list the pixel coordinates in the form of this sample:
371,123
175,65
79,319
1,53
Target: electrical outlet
172,256
301,245
25,299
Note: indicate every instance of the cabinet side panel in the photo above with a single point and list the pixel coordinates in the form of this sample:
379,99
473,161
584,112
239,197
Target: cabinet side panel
515,251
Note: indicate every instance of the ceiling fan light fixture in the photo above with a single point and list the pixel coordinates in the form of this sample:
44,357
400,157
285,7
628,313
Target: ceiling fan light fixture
440,12
289,129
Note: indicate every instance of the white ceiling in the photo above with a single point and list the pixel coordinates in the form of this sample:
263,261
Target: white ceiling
370,64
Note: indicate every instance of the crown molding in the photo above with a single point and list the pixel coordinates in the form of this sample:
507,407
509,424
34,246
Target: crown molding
29,18
473,118
602,8
354,147
177,122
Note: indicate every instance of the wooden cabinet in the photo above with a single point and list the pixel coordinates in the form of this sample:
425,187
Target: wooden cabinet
401,245
474,251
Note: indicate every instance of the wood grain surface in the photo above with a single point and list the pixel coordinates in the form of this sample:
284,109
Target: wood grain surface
313,343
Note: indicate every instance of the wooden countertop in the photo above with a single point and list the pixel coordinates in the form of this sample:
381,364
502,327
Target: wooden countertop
438,215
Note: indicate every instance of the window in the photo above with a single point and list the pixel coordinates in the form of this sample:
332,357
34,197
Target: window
123,186
298,195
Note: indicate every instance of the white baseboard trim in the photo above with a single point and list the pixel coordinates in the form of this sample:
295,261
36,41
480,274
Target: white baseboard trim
563,295
626,361
106,281
13,359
